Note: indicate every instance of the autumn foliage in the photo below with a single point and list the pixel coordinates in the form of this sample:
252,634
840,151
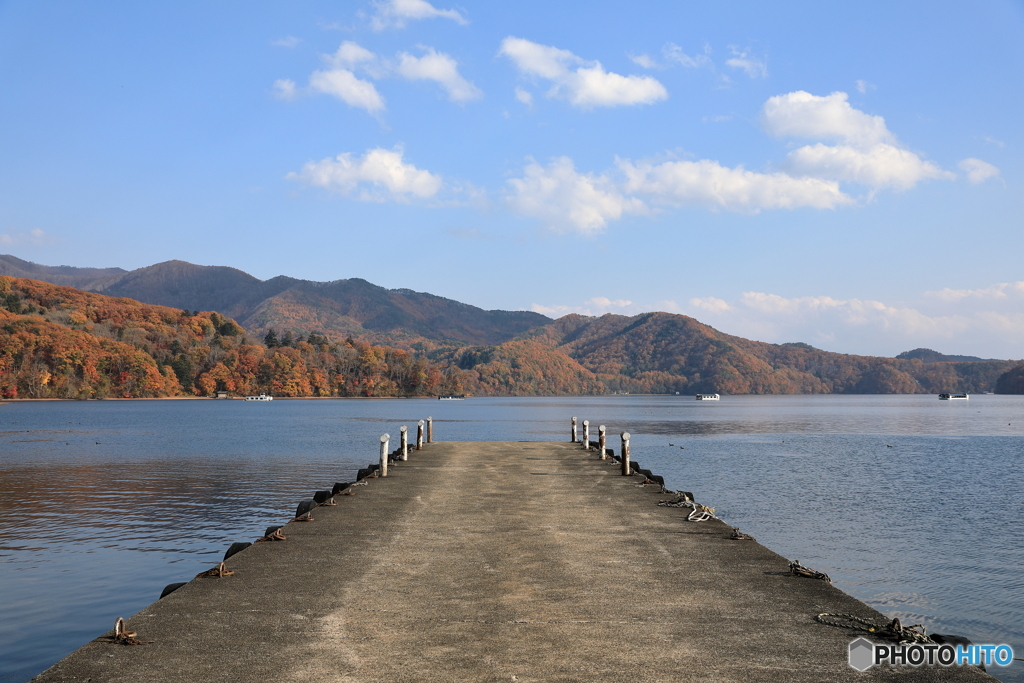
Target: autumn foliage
60,342
665,353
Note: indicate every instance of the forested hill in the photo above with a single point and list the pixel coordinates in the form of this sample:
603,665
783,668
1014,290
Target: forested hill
60,342
71,276
666,353
339,309
461,348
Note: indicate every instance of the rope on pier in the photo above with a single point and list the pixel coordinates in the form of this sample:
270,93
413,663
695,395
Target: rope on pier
894,630
217,572
798,569
699,513
275,535
122,636
738,535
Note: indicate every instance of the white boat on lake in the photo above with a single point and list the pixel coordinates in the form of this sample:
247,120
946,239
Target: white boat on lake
708,397
953,397
261,397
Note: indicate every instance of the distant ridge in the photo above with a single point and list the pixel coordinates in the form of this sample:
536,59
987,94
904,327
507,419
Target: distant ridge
341,308
929,356
67,276
521,352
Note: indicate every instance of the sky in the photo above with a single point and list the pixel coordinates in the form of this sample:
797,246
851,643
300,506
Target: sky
848,175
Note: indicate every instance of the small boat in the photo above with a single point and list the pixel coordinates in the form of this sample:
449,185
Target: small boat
708,397
953,397
261,397
452,397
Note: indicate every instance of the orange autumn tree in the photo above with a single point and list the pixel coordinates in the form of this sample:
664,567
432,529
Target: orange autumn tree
60,342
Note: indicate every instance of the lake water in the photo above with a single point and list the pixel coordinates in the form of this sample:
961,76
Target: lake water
913,505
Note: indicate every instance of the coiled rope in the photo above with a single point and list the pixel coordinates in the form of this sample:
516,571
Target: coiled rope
217,572
122,636
275,535
700,513
798,569
894,630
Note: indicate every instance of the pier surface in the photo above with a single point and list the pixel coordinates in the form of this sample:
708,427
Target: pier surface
496,562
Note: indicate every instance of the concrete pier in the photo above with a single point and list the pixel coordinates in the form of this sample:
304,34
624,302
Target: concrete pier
496,562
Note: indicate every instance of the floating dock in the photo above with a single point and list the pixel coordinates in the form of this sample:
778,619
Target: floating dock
495,561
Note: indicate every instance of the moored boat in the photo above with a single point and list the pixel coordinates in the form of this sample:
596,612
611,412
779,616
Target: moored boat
708,397
953,397
261,397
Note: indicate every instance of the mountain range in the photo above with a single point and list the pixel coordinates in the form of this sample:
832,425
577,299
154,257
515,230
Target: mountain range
525,353
342,308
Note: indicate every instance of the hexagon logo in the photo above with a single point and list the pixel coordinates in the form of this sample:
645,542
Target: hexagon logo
862,654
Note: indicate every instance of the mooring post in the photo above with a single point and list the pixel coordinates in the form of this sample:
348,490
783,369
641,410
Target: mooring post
384,439
405,441
602,439
430,430
586,434
574,430
419,435
625,454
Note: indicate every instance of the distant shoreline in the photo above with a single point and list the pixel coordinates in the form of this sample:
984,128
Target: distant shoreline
231,398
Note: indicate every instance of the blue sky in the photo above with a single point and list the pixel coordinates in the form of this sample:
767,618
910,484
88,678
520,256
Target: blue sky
848,175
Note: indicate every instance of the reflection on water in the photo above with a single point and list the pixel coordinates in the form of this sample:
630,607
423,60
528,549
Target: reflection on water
909,503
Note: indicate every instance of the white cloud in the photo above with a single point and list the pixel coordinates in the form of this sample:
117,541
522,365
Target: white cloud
673,53
708,183
396,13
863,86
869,156
978,171
645,61
754,67
992,141
524,97
344,85
284,89
378,175
341,81
351,54
1004,291
987,322
287,41
33,238
582,83
879,166
710,303
971,322
439,67
564,198
803,115
599,305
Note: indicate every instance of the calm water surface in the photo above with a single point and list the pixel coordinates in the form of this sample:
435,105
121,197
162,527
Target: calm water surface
913,505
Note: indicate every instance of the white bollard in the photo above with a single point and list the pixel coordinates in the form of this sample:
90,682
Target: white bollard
602,440
626,471
405,441
574,430
384,439
586,434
